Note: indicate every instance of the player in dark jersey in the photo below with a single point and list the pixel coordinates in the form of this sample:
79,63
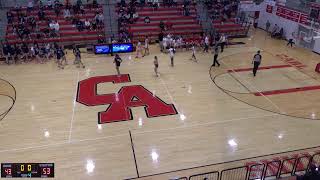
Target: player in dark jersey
77,54
60,54
117,61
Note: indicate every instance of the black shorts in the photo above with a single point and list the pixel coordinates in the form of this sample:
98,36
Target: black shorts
156,65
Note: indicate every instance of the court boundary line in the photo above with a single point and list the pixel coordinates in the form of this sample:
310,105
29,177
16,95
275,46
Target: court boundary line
134,154
214,164
73,109
249,92
14,99
258,91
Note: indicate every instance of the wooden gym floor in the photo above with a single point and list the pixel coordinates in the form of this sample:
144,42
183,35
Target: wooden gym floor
224,113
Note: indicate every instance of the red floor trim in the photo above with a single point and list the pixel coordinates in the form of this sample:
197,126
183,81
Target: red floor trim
260,68
284,91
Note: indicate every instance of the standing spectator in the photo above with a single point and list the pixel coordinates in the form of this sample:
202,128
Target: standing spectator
25,52
268,24
161,41
256,62
6,48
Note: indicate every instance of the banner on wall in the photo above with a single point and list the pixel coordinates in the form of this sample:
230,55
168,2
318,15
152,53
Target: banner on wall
292,15
269,9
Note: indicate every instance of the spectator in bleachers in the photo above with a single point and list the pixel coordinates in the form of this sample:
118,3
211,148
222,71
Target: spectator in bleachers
94,25
94,4
41,15
87,24
25,52
66,14
49,4
80,25
57,9
30,6
101,39
147,20
6,51
161,25
32,22
10,17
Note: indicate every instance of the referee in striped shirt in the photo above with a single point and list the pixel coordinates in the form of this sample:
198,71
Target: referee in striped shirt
256,62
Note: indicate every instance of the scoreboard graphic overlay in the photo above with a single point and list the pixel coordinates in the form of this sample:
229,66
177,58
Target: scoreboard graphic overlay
27,170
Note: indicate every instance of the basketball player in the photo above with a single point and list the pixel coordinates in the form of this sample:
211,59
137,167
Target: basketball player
171,53
156,65
206,44
117,61
77,55
256,62
193,57
146,46
216,53
222,41
60,54
64,59
139,50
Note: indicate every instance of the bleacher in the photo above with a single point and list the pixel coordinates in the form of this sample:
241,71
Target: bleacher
68,32
227,26
187,26
230,27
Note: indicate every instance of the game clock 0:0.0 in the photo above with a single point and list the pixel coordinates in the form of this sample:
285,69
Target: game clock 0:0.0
27,170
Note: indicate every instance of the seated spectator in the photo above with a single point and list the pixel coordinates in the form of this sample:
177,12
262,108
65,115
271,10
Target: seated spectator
101,39
41,15
9,17
161,25
147,20
56,27
94,25
87,24
30,6
80,25
79,3
32,22
66,14
81,9
49,4
94,4
57,9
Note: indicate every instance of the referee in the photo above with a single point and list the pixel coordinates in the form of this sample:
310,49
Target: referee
256,62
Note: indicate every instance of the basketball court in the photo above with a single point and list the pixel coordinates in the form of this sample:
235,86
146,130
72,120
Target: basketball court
219,114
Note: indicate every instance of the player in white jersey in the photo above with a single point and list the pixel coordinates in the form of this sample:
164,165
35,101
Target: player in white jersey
139,50
171,53
146,46
193,57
